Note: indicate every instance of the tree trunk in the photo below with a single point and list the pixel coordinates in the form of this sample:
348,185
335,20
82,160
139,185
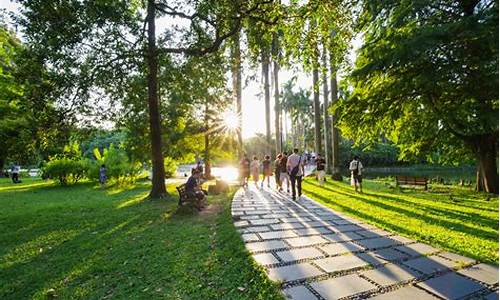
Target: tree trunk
236,74
317,113
267,97
207,138
485,147
336,170
158,189
277,108
326,115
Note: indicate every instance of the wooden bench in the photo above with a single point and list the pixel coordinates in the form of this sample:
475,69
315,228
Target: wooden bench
411,180
185,197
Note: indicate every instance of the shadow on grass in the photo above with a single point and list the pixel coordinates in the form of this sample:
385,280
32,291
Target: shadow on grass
144,249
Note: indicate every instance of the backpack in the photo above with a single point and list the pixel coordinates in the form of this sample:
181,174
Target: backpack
295,169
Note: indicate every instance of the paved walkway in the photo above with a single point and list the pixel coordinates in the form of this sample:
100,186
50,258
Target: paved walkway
318,253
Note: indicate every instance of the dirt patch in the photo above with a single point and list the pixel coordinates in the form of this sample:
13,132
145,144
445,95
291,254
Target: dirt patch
211,210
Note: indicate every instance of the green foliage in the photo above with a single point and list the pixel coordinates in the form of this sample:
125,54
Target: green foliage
65,170
118,165
170,166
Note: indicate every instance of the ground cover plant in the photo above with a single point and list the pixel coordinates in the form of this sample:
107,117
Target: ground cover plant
84,242
449,217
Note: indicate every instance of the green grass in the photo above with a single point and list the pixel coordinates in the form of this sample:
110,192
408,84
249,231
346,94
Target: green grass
88,243
449,217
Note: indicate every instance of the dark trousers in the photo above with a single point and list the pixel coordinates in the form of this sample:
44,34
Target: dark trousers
298,180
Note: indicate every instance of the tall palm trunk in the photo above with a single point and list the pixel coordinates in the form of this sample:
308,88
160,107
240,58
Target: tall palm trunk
267,97
158,189
336,175
236,76
277,109
317,113
326,114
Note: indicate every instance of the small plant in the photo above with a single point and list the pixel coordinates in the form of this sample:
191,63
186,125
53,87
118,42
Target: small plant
65,170
170,167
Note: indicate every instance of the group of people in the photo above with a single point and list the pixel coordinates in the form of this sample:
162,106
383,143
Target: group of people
289,169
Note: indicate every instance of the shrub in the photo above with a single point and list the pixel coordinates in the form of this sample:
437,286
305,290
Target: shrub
65,170
118,165
170,167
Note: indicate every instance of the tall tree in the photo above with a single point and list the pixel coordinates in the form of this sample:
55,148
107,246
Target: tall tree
236,76
326,113
265,61
277,108
427,77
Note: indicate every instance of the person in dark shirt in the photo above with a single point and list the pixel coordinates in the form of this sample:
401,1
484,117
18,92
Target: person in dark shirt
284,172
193,188
266,171
244,170
320,169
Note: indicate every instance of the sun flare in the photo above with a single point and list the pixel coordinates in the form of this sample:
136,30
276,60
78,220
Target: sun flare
230,119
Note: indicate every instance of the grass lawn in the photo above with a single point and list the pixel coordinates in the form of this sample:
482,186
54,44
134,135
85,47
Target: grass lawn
88,243
448,217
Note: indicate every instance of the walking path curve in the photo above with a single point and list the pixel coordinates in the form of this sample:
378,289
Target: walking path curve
318,253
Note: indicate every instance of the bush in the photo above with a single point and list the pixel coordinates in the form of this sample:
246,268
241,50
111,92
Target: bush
170,167
65,170
118,165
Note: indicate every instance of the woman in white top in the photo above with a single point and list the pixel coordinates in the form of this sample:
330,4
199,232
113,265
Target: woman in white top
254,169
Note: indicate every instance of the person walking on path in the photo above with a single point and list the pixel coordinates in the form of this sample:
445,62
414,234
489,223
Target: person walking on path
102,175
320,169
295,167
244,170
267,172
277,171
284,172
254,169
15,170
356,168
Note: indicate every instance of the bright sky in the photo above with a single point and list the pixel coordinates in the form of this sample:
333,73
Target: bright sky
253,107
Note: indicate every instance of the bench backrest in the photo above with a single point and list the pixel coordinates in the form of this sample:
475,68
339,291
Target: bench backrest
411,180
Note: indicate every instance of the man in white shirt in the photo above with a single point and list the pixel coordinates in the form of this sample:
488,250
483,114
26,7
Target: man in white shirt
295,167
356,169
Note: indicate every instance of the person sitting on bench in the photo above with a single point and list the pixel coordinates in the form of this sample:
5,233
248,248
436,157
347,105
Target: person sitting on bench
193,188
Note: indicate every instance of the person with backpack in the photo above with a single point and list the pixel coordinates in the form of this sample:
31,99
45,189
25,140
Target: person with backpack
295,167
284,172
356,168
277,171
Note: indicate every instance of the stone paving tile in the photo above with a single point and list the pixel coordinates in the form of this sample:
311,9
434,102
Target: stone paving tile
263,222
265,259
299,293
265,246
482,272
250,237
389,254
458,258
431,264
298,254
312,224
277,234
376,243
294,272
312,231
450,286
254,229
340,263
306,241
257,212
343,237
274,216
241,223
407,292
251,217
417,249
294,219
340,287
341,222
340,248
346,228
390,274
287,226
402,239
